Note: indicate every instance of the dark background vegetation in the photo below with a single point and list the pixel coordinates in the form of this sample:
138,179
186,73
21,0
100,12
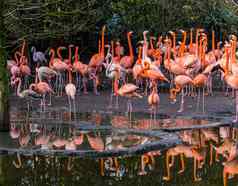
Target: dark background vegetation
49,23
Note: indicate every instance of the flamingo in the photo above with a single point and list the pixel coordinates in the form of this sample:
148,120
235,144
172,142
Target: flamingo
180,82
153,99
70,90
127,61
42,88
38,56
95,63
28,93
59,66
127,90
82,69
231,79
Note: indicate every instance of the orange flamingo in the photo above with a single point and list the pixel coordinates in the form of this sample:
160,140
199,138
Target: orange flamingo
153,99
82,69
127,61
231,79
95,63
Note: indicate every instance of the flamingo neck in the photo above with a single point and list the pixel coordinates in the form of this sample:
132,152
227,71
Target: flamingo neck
213,40
168,54
103,47
70,76
151,44
227,60
183,44
59,53
99,46
52,54
76,60
112,45
37,75
197,44
191,39
70,56
23,48
16,57
130,46
174,43
139,54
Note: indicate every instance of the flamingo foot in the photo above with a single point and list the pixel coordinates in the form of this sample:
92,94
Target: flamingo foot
141,173
235,120
180,110
85,92
166,178
197,179
181,171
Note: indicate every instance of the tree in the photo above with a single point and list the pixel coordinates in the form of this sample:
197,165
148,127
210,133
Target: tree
4,102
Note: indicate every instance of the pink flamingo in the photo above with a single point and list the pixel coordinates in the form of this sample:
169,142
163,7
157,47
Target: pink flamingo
41,88
27,94
70,90
59,66
82,69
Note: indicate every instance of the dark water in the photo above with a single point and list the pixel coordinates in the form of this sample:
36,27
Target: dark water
36,151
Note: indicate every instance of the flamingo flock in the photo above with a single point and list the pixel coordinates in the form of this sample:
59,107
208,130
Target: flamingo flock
187,66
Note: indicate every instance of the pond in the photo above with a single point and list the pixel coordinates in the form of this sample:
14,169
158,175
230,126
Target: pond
109,149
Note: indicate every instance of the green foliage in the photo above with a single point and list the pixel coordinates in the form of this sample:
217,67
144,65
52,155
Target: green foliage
71,20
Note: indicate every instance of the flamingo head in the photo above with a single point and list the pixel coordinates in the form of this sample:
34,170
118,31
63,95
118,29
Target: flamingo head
233,37
130,33
32,86
118,43
153,38
71,46
171,33
145,32
140,43
33,49
181,30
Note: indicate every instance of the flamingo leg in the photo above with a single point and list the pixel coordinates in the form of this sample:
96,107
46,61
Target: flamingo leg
44,106
225,174
198,99
74,104
195,170
18,164
69,100
102,167
167,178
117,102
182,164
182,102
85,91
211,154
203,100
69,164
236,117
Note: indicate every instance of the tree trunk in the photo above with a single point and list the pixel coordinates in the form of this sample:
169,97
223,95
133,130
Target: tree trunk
4,90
